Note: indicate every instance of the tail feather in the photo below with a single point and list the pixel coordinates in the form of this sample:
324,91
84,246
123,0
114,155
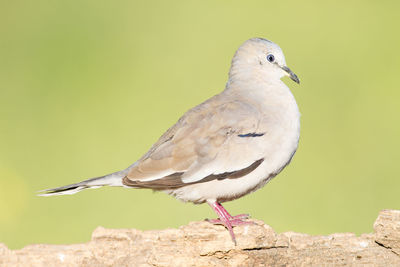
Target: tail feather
74,188
113,179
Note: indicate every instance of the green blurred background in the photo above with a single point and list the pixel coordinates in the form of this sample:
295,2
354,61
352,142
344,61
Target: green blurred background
87,86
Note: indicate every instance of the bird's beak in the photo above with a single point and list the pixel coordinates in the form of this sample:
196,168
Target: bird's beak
290,74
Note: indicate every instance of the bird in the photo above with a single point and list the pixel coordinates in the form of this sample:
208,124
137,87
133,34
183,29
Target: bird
226,147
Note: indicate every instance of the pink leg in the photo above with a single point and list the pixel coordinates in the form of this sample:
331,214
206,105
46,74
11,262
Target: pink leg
226,219
234,220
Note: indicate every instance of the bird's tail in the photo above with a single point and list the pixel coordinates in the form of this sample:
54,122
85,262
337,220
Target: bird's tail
113,179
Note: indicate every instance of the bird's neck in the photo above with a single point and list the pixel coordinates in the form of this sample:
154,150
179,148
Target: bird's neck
252,74
264,93
257,85
242,71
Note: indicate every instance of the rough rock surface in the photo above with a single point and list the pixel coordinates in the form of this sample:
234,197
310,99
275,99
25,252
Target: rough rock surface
203,244
387,230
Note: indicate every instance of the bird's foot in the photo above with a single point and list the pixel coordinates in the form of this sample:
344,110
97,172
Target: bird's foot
234,220
228,220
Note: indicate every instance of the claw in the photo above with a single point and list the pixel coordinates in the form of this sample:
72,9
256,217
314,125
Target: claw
228,220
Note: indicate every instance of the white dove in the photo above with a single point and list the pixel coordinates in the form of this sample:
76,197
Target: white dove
226,147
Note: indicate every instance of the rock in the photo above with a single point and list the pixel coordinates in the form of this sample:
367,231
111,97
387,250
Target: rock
387,230
204,244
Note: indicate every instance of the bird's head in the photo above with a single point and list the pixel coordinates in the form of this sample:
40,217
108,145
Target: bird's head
260,57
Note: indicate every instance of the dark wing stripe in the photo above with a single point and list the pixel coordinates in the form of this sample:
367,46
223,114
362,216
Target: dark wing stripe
251,135
174,180
234,174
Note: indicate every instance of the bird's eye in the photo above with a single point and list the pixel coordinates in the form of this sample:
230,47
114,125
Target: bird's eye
270,58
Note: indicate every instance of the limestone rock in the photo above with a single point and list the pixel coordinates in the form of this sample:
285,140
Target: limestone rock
387,230
204,244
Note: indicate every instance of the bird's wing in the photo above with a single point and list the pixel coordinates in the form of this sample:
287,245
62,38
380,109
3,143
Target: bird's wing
215,140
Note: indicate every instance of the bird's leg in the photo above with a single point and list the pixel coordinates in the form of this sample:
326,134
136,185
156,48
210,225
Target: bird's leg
226,219
233,219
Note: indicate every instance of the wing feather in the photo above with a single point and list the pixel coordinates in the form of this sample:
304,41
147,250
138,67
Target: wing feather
203,145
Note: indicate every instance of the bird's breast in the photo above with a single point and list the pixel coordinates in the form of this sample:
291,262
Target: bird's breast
274,140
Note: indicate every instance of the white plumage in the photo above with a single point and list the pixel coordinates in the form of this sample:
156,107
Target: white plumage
226,147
